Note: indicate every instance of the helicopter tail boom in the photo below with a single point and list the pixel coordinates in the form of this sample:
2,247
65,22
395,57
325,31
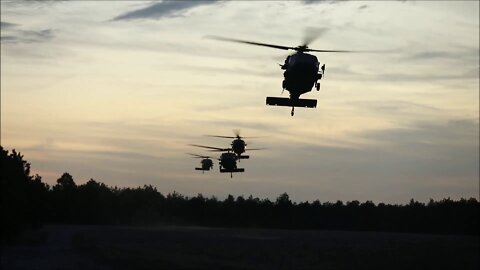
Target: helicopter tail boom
287,102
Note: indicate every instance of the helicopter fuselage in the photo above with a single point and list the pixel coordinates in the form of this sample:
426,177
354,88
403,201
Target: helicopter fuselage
238,146
301,74
207,164
228,161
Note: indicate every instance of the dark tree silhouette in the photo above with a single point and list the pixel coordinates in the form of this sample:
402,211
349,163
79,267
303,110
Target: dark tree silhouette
23,197
64,200
26,202
65,182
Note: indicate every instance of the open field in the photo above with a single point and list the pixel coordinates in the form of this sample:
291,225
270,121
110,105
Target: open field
173,247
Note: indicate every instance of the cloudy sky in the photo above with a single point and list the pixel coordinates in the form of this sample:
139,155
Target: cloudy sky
115,91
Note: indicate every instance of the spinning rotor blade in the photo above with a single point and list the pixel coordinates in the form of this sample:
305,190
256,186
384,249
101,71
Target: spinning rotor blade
198,156
237,132
215,149
252,149
252,43
334,51
218,136
303,48
231,137
312,33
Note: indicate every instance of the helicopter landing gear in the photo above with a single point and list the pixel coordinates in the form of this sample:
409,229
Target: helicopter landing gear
317,86
293,111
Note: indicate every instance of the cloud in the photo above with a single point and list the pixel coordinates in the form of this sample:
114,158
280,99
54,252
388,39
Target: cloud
162,9
395,107
425,159
6,25
8,39
27,36
459,71
461,55
311,2
439,140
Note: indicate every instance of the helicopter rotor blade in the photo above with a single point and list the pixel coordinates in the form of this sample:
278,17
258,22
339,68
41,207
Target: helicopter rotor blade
348,51
236,137
315,33
237,133
198,156
218,136
252,43
255,137
332,51
312,33
215,149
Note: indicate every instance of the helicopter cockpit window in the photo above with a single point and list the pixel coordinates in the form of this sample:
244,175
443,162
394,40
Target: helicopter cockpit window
292,60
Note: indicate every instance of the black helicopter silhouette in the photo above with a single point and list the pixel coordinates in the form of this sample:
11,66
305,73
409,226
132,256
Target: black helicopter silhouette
238,145
302,71
228,163
206,162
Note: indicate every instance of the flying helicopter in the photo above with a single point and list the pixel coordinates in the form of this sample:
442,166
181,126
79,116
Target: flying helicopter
302,71
238,145
206,162
228,163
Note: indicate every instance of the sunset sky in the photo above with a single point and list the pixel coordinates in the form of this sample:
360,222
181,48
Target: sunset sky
116,90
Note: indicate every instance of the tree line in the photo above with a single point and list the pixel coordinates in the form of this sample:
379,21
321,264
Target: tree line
26,202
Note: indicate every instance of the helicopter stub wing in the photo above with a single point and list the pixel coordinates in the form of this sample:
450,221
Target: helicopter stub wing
287,102
232,171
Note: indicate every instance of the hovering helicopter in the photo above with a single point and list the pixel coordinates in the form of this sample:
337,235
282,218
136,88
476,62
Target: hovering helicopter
302,72
237,146
206,162
228,163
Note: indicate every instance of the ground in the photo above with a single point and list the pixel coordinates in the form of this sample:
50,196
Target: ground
182,247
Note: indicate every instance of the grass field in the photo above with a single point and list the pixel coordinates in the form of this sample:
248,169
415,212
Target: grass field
172,247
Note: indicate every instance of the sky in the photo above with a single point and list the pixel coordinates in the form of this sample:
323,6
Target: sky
116,90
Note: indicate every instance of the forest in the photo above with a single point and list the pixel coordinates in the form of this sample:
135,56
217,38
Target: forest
27,202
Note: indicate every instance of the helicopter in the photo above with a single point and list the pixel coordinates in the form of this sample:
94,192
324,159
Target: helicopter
237,146
206,162
302,72
228,163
